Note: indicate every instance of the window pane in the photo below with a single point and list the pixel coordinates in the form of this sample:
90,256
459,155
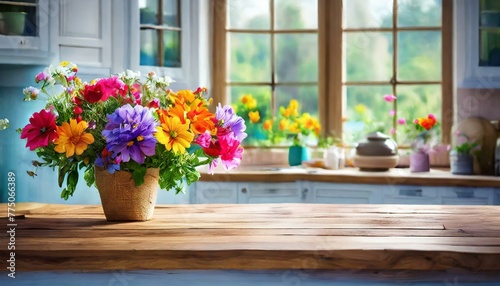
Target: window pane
296,57
368,56
260,102
307,96
149,11
366,111
418,13
18,19
149,48
171,13
367,13
172,51
416,101
489,47
250,58
296,14
244,14
419,55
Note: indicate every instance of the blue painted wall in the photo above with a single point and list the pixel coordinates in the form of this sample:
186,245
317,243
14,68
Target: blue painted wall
15,157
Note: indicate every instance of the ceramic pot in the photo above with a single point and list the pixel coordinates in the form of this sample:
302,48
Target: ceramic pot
123,201
297,155
13,22
419,162
461,164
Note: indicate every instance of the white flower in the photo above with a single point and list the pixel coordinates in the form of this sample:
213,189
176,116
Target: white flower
4,123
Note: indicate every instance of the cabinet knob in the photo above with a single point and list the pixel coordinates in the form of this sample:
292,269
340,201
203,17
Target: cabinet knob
304,193
244,190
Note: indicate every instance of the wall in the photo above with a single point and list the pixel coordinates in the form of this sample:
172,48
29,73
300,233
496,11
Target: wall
480,102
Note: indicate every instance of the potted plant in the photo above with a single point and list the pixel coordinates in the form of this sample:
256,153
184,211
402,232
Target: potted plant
422,133
462,154
127,123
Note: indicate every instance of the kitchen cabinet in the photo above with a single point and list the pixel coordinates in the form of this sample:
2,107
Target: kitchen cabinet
24,32
477,31
340,193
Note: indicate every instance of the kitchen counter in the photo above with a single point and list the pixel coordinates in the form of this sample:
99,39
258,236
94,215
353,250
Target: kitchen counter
256,236
400,176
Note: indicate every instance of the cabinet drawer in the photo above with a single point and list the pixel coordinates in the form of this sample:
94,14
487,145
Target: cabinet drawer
272,193
412,195
342,196
215,193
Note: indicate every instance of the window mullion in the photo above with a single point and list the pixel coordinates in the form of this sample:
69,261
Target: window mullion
394,80
273,62
160,34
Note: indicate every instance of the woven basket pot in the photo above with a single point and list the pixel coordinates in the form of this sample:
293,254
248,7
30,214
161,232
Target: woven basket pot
122,200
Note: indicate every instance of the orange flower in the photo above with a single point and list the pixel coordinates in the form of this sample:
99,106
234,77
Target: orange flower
268,124
201,118
72,138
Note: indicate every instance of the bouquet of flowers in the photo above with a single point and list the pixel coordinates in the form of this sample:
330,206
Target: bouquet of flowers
130,123
422,132
289,122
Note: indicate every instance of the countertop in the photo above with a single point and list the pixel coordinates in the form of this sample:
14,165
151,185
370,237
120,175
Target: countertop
255,236
403,176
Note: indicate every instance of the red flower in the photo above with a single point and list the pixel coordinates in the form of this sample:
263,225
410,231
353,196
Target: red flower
92,93
41,130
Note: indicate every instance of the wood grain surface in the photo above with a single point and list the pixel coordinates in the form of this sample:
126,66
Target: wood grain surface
257,236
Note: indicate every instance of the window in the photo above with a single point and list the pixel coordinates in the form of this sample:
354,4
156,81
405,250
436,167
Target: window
18,18
160,33
344,56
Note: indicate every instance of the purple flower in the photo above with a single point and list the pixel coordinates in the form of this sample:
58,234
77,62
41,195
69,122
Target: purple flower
129,133
108,161
228,119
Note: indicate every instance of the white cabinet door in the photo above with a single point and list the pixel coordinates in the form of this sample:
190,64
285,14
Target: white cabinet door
413,195
214,193
255,193
82,34
334,193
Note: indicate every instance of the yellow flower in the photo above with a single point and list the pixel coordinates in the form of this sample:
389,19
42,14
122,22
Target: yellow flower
268,124
72,138
283,124
254,116
64,63
360,108
251,103
174,134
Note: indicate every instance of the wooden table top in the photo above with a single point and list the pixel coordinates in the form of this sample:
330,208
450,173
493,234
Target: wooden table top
256,236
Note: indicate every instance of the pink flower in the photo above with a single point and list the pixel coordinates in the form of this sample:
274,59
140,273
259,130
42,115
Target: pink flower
42,76
393,131
41,130
390,97
431,116
401,121
231,151
204,139
415,121
392,112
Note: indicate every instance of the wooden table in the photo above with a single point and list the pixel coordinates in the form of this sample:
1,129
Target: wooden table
250,237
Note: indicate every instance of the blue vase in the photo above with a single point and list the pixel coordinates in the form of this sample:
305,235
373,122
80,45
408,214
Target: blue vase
297,155
461,164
